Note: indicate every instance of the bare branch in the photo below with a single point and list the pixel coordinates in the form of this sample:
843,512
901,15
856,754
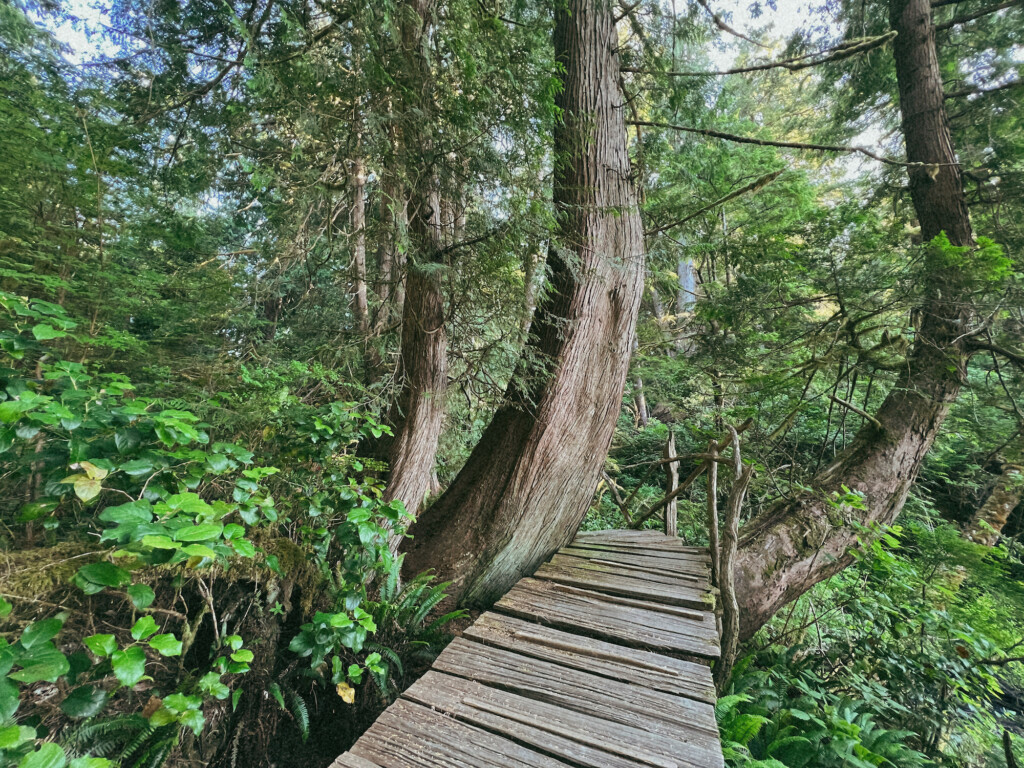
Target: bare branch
859,411
975,89
795,64
957,20
1014,357
752,187
783,144
720,23
643,517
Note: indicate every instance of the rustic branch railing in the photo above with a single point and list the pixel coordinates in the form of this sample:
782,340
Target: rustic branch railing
640,519
672,478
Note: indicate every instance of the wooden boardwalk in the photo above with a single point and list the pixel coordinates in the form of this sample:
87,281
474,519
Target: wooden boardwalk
598,660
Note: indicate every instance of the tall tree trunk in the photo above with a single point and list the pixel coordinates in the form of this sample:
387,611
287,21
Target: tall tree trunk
991,517
358,221
417,414
527,484
392,248
799,543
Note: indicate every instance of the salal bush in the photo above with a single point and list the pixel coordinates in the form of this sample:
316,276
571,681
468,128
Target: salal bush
147,500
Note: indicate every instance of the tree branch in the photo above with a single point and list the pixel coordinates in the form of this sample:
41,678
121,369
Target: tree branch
859,411
783,144
794,64
1014,357
957,20
975,89
720,23
643,517
752,187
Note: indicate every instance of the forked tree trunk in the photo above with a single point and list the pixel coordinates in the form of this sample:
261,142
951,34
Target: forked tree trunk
417,414
799,543
990,519
527,484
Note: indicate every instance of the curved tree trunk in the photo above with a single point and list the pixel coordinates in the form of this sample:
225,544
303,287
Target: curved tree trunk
526,486
799,543
988,522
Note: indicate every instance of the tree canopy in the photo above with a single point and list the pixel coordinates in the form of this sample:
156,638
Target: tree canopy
324,321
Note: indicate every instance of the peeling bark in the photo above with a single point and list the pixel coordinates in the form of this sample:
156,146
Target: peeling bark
527,484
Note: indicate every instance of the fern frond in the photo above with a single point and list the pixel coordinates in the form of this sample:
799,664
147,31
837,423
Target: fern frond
299,710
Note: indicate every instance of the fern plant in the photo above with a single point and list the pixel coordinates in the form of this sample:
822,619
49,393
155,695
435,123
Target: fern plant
406,634
129,741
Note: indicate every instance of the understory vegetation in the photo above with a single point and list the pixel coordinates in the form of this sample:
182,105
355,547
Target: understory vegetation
308,320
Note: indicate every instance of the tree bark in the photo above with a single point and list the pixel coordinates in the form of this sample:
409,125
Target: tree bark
991,517
799,543
417,414
671,483
527,484
358,221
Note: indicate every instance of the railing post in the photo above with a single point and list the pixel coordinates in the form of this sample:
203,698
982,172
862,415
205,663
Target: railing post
730,632
672,474
713,544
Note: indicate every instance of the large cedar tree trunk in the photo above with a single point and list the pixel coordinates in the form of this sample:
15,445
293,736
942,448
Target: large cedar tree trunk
417,414
526,486
799,543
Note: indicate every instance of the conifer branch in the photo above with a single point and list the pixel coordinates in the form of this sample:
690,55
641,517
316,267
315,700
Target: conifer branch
794,64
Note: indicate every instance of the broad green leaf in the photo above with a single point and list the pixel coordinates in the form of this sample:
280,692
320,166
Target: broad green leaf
86,488
91,762
199,550
244,547
101,645
132,512
41,631
201,532
141,596
49,755
129,665
36,509
92,471
11,410
144,627
41,663
137,467
44,332
160,542
99,575
9,700
84,701
166,645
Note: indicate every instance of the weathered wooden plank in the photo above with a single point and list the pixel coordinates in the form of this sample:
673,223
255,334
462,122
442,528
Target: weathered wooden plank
603,579
633,622
578,691
615,534
616,662
348,760
571,736
410,735
690,581
664,564
648,538
648,550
